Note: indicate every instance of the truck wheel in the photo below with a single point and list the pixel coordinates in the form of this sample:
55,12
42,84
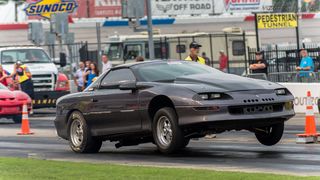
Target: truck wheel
17,119
270,135
166,132
80,139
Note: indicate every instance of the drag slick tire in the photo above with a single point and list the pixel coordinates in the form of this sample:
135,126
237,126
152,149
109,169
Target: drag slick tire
17,119
166,132
270,135
80,139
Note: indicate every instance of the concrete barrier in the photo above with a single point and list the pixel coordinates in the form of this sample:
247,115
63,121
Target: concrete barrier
299,91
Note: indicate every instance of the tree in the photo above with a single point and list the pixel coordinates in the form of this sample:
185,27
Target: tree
16,4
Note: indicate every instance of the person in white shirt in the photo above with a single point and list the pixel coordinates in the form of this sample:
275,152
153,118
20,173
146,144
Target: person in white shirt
78,77
106,64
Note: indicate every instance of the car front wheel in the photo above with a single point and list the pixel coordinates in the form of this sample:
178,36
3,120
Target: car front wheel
80,138
270,135
166,131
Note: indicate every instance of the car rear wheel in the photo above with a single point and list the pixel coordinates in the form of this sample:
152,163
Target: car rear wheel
270,135
166,131
17,119
80,138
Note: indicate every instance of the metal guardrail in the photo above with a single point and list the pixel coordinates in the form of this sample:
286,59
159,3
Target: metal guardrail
302,76
261,76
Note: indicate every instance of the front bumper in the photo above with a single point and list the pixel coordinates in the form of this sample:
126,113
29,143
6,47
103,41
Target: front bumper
12,109
225,117
45,99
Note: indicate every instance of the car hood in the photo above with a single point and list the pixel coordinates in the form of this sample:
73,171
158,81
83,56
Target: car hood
7,94
223,82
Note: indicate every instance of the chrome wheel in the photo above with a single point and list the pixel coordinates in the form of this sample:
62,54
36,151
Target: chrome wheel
164,131
76,132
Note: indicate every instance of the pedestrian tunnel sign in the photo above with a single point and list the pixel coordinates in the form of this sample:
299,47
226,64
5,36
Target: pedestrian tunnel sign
277,20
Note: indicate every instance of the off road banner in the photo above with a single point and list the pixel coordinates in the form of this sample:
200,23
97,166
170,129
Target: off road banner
182,7
277,20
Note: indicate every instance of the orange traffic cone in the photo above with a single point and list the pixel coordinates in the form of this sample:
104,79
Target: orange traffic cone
25,128
310,135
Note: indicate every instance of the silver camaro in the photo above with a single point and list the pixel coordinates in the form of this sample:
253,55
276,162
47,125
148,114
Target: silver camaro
168,103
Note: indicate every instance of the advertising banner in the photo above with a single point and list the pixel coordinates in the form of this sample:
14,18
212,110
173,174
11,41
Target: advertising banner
105,8
46,8
277,20
182,7
299,91
242,6
90,8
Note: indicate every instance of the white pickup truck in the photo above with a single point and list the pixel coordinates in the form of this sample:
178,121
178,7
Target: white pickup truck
49,84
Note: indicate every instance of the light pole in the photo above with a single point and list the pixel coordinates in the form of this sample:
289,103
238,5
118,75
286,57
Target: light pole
150,30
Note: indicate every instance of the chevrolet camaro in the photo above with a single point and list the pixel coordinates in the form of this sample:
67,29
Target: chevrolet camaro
11,103
168,103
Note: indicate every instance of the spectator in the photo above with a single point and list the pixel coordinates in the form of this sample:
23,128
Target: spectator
223,61
306,65
194,51
3,76
78,77
260,66
139,59
24,78
90,75
207,60
106,64
88,62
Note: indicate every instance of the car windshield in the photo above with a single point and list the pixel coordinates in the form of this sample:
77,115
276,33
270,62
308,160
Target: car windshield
170,70
3,87
25,56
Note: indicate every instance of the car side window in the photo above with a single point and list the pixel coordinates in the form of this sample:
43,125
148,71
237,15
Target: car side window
115,77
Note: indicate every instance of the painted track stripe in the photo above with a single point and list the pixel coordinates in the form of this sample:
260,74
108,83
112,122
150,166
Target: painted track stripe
109,23
13,26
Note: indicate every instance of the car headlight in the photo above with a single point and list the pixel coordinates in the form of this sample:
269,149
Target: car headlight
280,91
210,96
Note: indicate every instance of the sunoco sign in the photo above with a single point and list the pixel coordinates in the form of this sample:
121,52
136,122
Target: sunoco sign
182,7
45,8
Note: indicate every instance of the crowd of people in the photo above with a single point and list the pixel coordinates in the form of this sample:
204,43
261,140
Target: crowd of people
88,71
304,70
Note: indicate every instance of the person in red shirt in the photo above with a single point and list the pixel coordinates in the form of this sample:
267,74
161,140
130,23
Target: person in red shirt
223,60
3,76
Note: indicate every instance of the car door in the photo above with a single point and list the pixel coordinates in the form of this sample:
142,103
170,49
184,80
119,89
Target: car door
118,109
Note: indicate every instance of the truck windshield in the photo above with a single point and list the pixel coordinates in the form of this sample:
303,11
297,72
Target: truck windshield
25,56
114,51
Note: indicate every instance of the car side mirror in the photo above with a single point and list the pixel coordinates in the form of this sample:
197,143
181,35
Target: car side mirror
63,60
128,86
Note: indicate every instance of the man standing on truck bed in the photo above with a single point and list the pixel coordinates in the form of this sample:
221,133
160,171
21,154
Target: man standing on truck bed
24,78
194,51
